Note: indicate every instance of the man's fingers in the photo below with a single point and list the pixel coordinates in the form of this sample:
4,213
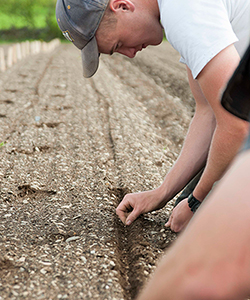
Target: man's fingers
126,217
123,210
168,224
132,217
126,212
121,214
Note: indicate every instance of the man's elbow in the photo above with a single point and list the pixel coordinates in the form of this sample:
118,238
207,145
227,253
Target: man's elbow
237,129
242,130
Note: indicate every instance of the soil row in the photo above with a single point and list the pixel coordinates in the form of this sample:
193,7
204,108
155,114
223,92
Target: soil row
71,148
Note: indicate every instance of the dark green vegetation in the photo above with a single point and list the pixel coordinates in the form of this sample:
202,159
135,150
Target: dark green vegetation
28,20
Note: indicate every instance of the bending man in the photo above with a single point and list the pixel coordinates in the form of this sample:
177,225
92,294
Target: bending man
211,36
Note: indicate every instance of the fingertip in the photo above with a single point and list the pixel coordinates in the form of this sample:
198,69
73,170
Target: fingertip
118,213
118,207
128,222
131,217
121,216
123,219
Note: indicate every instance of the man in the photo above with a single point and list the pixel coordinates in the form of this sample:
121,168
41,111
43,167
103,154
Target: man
210,35
211,259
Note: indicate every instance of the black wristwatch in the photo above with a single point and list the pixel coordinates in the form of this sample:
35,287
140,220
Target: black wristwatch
193,203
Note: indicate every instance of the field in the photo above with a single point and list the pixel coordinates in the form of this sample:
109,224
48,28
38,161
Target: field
70,149
28,20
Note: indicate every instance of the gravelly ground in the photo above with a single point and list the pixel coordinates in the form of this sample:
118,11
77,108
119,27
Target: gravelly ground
73,148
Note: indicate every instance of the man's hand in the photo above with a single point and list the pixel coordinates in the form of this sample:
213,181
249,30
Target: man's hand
133,205
180,216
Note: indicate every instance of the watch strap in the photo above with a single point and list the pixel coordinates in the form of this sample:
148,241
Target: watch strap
193,203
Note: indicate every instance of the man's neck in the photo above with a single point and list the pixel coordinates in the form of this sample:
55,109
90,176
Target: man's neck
150,5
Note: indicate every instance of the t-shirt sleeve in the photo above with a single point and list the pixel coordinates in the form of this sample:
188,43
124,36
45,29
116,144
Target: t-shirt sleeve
198,30
236,97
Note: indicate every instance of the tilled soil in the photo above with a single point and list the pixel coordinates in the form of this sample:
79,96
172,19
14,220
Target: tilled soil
70,149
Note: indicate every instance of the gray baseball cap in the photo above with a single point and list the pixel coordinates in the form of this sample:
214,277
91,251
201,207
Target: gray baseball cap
78,21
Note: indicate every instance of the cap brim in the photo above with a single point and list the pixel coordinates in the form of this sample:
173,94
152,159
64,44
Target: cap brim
90,58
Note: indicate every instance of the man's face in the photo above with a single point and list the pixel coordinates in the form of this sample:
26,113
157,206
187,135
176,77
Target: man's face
131,34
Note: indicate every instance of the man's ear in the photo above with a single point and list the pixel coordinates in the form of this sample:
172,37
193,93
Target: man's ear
116,5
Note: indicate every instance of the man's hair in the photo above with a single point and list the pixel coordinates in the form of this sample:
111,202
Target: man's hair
108,21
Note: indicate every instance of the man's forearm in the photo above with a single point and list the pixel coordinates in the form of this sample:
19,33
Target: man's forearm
230,131
225,145
193,155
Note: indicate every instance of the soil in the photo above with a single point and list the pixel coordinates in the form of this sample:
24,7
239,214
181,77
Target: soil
70,149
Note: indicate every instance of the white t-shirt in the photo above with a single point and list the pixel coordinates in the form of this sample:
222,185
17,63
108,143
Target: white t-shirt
200,29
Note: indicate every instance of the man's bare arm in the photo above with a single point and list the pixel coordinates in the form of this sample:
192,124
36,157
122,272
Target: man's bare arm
191,159
228,136
230,131
227,139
